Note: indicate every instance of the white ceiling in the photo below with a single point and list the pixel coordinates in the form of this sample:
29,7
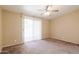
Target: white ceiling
33,10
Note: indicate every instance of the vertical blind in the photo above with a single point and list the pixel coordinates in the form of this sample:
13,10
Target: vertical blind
32,28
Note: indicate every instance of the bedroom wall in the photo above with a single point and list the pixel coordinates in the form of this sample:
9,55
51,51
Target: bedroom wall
66,27
0,29
12,28
46,29
12,31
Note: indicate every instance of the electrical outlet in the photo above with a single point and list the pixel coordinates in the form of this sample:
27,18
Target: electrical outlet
15,40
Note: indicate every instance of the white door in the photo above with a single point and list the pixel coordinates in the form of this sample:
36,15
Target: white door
32,29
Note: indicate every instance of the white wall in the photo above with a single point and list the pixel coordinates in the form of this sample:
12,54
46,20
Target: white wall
12,28
66,27
0,29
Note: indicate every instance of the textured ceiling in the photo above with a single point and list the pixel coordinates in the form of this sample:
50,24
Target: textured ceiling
34,10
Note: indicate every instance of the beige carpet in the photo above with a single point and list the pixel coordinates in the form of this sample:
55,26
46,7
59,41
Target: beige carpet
44,47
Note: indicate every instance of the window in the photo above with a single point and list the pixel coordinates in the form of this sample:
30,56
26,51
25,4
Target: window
32,29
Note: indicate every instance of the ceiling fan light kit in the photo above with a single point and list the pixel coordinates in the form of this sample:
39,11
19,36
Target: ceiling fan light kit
47,13
49,9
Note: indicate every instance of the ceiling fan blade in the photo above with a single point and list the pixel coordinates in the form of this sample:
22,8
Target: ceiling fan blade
40,9
55,10
44,9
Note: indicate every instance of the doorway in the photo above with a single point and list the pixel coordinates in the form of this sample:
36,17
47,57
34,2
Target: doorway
32,29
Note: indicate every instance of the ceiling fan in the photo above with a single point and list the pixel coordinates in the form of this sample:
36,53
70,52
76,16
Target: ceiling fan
48,10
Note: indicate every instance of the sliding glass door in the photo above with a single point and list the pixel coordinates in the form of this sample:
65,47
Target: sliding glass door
32,29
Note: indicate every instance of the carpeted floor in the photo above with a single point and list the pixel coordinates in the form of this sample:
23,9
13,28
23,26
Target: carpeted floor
49,46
